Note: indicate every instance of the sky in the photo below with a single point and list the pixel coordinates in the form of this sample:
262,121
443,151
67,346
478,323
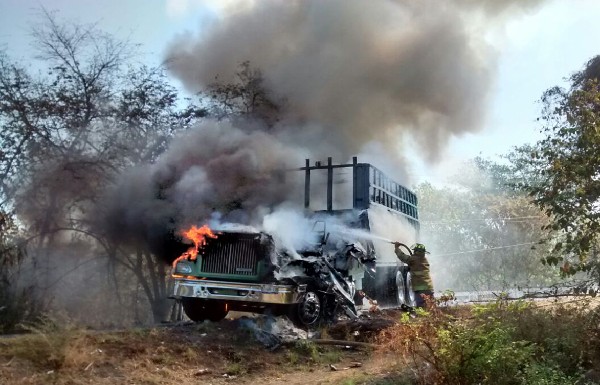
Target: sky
535,50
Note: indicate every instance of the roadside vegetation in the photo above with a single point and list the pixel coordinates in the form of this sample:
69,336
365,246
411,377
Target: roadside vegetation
506,342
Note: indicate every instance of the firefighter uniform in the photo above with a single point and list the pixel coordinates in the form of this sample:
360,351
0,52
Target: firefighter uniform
422,284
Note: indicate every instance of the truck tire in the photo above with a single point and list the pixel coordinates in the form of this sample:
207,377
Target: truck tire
410,293
199,310
309,312
401,289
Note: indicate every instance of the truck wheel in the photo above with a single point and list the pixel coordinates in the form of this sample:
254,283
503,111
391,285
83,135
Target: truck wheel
410,293
309,312
401,289
198,309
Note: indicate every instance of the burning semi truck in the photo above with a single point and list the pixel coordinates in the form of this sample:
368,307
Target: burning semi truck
347,264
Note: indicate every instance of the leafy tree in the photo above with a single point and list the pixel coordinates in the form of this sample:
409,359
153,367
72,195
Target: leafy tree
567,164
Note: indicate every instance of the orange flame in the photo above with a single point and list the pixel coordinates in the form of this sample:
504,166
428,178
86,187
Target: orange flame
197,235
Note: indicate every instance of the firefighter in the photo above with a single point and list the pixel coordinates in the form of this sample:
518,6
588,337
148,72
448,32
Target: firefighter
419,268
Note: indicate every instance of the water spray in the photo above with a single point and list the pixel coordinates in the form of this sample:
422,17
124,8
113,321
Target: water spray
356,233
337,229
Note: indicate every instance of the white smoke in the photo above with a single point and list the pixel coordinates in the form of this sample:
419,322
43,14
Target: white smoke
291,228
294,230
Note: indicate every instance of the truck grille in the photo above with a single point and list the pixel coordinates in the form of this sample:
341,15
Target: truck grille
232,254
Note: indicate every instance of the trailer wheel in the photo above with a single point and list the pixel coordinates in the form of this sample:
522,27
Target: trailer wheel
198,309
401,289
309,312
410,293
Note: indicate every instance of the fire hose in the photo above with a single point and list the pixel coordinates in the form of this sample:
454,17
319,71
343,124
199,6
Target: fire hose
400,244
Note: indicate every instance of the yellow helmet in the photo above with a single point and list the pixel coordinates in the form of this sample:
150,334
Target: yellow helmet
419,248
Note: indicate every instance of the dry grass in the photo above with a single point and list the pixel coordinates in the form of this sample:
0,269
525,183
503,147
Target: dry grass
179,355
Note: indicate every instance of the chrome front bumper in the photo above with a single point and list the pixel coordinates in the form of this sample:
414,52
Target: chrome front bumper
238,291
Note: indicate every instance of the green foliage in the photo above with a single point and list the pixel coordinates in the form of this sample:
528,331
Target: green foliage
567,164
307,350
565,336
545,375
482,353
501,343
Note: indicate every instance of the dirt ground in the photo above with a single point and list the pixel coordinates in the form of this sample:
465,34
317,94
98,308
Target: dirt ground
209,353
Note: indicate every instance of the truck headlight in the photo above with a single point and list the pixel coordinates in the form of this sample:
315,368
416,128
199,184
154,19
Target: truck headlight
183,268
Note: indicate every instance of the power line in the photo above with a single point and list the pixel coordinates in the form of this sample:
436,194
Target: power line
481,219
486,249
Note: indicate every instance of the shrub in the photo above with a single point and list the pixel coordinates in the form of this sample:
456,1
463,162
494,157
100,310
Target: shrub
499,343
483,353
306,349
566,335
545,375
